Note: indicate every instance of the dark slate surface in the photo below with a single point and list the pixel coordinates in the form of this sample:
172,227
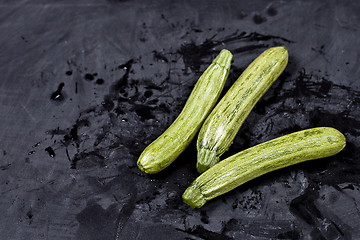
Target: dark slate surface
86,85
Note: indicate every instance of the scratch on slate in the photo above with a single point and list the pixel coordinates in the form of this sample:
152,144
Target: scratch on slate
28,113
125,214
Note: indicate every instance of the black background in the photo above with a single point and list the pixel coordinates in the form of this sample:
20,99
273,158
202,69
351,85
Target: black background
86,85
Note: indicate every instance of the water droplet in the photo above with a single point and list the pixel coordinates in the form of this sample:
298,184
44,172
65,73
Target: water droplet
29,214
35,145
58,95
258,19
31,152
148,93
89,77
271,11
50,151
100,81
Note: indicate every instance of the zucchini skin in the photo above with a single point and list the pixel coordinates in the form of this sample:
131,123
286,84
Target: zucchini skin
221,126
253,162
167,147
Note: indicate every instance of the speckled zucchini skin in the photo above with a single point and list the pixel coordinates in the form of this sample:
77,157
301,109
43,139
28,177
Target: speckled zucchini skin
253,162
221,126
167,147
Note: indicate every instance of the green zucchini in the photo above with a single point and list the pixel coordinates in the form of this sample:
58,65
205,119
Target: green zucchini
221,126
278,153
167,147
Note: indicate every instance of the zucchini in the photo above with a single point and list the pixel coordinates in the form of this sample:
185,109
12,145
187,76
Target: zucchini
167,147
253,162
221,126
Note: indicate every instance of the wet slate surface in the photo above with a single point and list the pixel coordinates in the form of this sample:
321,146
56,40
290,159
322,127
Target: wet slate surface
86,86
